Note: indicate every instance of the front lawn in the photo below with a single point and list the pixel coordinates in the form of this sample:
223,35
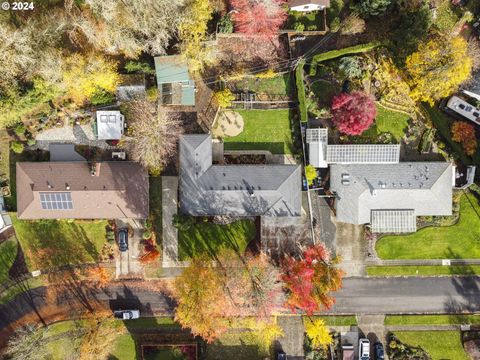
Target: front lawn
264,130
450,242
423,270
402,320
209,238
238,345
52,243
8,253
388,121
440,345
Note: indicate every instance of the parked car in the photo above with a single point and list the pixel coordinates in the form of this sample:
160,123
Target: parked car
126,314
281,355
123,239
379,351
363,349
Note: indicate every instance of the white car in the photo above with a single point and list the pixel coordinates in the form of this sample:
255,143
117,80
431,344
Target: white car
364,349
127,314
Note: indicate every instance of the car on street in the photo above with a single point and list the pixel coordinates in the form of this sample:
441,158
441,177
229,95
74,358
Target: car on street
379,351
364,349
123,239
126,314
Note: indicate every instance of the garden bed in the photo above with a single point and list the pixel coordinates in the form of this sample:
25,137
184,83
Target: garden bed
277,85
311,21
253,159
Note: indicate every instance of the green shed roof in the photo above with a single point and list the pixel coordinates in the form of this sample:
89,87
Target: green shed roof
174,70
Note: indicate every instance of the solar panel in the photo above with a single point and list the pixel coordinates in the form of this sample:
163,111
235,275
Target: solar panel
363,154
317,135
393,221
56,200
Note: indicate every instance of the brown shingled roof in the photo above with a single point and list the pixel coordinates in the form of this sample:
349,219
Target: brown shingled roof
119,191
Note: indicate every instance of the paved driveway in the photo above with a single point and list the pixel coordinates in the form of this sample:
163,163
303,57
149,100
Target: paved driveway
127,264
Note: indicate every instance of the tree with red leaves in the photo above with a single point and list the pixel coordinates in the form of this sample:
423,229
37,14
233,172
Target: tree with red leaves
353,113
464,133
309,280
258,17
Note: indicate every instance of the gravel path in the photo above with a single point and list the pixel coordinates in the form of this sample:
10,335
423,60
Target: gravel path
78,135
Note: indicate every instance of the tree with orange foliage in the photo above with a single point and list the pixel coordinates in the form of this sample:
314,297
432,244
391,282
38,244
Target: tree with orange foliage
260,17
150,256
464,133
310,280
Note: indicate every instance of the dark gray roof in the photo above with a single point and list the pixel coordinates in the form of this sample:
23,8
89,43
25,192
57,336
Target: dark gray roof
423,187
241,190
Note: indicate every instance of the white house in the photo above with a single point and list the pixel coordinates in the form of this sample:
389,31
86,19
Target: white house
308,5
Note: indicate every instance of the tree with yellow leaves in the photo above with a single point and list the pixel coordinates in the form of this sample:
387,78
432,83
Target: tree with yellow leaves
438,67
318,333
90,78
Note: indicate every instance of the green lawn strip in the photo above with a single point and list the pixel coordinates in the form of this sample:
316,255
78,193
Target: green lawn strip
345,51
263,130
152,323
459,319
423,270
301,95
52,243
236,345
209,238
393,122
15,290
124,348
8,253
62,348
449,242
439,344
4,153
278,85
334,320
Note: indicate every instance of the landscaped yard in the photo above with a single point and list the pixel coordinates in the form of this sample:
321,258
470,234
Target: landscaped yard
51,243
459,319
457,241
278,85
209,238
8,252
439,344
324,91
264,130
311,21
423,270
388,121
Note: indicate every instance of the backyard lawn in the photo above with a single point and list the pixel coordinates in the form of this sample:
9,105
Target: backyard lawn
311,21
388,121
278,85
209,238
439,344
457,241
324,91
8,252
51,243
264,130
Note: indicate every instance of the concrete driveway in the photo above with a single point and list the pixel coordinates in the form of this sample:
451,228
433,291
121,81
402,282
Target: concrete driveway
127,264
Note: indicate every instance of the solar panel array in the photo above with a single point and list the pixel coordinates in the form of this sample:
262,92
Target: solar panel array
56,200
317,135
393,221
363,154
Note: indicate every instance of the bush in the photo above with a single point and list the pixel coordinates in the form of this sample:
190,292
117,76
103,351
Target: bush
17,147
352,25
19,129
335,25
268,74
225,25
147,234
345,51
298,26
224,98
101,96
133,66
372,7
31,142
301,91
351,67
310,174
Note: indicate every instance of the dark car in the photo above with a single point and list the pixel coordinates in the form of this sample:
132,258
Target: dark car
379,352
281,355
123,239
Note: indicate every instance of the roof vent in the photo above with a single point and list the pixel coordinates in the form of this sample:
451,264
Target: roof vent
384,185
345,182
374,192
67,187
50,186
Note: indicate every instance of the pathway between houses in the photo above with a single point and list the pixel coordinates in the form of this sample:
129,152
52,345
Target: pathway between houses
169,210
78,135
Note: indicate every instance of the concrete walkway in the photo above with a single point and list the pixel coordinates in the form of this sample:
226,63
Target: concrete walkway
170,232
292,341
78,135
413,262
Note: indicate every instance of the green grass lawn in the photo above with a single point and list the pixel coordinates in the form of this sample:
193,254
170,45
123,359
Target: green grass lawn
441,345
431,319
209,238
461,240
51,243
324,91
8,253
423,270
278,85
236,345
124,348
335,320
264,130
388,121
312,21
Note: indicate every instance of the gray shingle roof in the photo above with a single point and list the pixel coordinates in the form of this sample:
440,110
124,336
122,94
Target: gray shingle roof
242,190
423,187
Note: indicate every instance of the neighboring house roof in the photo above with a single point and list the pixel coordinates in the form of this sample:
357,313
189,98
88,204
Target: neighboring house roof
175,85
424,187
132,87
295,3
110,125
64,152
53,190
240,190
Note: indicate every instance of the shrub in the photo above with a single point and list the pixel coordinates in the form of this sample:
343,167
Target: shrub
298,26
345,51
335,25
225,25
31,142
372,7
133,66
464,133
353,113
17,147
301,92
310,174
268,74
351,67
19,129
147,234
224,98
352,25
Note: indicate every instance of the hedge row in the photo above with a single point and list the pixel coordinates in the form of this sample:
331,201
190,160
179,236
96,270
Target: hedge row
301,91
